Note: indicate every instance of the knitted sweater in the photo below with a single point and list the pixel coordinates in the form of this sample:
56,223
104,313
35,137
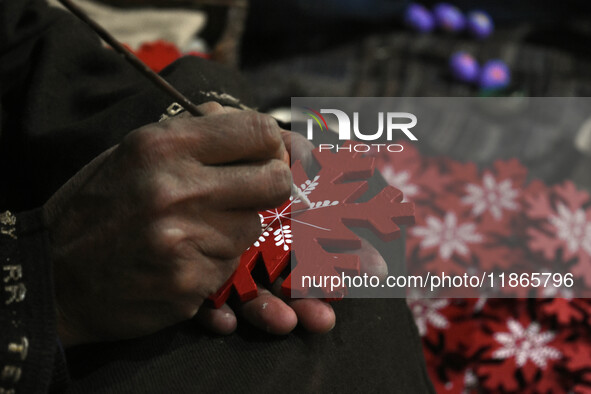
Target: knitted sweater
64,100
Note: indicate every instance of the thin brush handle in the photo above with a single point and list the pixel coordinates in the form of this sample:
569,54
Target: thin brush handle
151,75
133,59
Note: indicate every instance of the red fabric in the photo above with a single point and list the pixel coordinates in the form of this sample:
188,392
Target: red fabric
159,54
513,345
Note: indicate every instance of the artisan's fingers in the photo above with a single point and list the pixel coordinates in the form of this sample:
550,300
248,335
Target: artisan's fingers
269,313
314,315
215,108
255,186
211,108
230,137
231,109
220,321
371,261
299,148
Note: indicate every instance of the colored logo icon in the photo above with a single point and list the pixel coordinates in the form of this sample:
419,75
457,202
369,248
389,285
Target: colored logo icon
317,117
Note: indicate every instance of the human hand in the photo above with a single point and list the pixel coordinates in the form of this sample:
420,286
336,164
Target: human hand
143,234
271,311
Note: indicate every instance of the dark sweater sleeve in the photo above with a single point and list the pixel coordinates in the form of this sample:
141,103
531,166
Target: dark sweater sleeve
30,357
64,99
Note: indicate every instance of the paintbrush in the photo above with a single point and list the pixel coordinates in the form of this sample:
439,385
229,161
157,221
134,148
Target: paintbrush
151,75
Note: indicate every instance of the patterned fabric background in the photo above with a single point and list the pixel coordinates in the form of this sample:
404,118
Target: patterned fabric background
532,206
471,219
481,213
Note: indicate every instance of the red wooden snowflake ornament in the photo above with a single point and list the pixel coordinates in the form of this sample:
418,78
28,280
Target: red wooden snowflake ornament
333,193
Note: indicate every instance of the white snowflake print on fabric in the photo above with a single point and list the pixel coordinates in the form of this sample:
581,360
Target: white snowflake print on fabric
572,228
449,236
426,311
401,181
526,344
492,196
470,381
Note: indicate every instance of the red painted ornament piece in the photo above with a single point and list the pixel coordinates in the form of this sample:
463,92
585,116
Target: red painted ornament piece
333,193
